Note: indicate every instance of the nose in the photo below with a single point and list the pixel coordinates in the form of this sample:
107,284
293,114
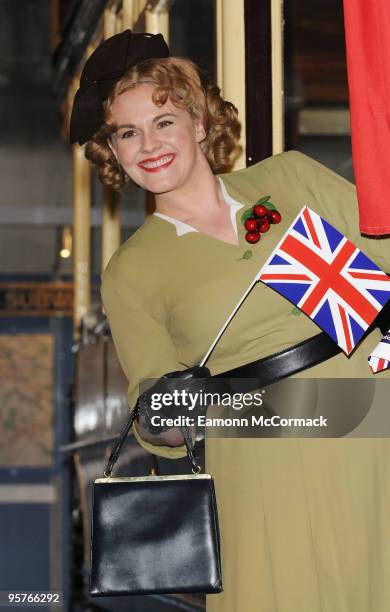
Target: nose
150,142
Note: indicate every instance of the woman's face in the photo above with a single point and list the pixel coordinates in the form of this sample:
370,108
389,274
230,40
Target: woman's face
157,146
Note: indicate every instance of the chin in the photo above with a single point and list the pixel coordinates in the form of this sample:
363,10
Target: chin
159,185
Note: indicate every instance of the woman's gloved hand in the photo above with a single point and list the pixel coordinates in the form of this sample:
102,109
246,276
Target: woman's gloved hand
383,319
183,390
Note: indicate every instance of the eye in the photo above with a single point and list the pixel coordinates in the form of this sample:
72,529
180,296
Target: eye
128,134
164,123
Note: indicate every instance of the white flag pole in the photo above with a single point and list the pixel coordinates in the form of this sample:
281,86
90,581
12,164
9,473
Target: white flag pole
230,317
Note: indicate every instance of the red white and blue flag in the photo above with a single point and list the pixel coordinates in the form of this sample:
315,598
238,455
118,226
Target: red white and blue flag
378,364
379,359
328,278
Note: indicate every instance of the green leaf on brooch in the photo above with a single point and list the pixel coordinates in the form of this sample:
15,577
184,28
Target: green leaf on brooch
246,215
263,200
270,206
246,255
296,312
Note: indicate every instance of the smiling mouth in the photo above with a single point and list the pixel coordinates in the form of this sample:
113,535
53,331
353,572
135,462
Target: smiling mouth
158,163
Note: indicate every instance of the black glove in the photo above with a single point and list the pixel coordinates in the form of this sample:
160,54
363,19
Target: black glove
383,319
193,380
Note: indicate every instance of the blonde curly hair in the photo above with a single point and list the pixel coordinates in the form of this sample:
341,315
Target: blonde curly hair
180,81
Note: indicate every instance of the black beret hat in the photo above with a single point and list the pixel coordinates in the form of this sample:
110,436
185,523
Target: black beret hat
107,64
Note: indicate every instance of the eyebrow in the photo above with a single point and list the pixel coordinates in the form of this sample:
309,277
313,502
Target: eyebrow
155,119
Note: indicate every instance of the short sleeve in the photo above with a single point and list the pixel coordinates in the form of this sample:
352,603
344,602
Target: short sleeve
336,200
143,345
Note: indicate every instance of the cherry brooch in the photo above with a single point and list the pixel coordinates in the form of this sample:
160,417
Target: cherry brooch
258,219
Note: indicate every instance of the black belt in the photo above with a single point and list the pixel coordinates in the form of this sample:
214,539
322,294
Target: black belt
270,369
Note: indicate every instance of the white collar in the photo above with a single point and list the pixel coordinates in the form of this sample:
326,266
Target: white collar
183,228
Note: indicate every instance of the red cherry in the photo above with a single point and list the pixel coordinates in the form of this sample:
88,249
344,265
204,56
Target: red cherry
274,216
252,237
264,225
251,224
259,210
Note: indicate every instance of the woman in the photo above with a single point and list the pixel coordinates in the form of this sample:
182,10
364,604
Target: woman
303,521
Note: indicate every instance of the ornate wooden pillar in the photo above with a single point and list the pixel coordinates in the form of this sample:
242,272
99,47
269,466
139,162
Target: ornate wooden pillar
231,60
157,19
111,227
81,236
277,71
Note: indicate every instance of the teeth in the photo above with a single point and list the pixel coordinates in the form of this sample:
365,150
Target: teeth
157,162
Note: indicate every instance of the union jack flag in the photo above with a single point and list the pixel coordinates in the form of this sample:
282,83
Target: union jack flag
377,364
328,278
379,359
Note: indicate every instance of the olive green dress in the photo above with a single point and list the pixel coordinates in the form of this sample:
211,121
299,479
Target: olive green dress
304,522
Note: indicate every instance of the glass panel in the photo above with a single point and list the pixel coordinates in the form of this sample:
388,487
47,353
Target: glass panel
316,103
192,32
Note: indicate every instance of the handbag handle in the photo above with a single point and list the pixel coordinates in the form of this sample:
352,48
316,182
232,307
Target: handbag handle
196,468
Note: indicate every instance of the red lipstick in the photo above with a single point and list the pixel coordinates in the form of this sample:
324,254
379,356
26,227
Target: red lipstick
155,164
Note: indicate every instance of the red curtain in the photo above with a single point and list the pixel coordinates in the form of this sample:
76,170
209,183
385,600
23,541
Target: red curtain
367,31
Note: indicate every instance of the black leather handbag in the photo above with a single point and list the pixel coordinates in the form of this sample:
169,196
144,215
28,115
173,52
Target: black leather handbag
154,534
